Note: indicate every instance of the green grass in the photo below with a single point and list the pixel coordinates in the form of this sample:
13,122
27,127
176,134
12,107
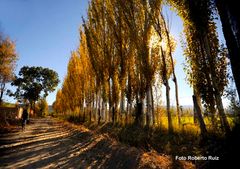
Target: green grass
184,141
157,138
5,104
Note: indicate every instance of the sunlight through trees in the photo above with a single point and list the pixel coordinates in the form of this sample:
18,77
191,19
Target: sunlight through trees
125,57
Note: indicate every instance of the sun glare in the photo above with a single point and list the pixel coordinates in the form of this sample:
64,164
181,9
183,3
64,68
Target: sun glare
156,42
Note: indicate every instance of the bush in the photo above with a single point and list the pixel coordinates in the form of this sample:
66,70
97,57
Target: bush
42,107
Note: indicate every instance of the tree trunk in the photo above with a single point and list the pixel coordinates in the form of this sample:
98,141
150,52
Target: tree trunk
229,16
208,75
122,103
90,115
223,118
212,114
84,115
99,108
94,107
130,111
198,103
148,107
1,93
139,111
177,100
166,83
91,107
83,109
117,114
103,110
127,113
195,118
109,100
34,107
113,114
174,75
106,112
197,108
170,125
153,113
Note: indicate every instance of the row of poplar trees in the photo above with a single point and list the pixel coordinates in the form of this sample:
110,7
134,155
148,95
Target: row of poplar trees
126,50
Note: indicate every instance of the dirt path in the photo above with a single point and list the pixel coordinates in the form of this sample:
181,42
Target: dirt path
48,143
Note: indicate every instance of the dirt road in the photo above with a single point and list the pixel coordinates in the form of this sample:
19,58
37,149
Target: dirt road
47,143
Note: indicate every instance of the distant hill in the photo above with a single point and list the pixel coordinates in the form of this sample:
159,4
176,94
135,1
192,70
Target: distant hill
187,106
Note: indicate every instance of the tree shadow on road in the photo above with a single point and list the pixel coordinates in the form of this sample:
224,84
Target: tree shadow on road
50,144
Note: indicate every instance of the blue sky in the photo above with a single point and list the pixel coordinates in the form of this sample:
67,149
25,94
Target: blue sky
46,31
